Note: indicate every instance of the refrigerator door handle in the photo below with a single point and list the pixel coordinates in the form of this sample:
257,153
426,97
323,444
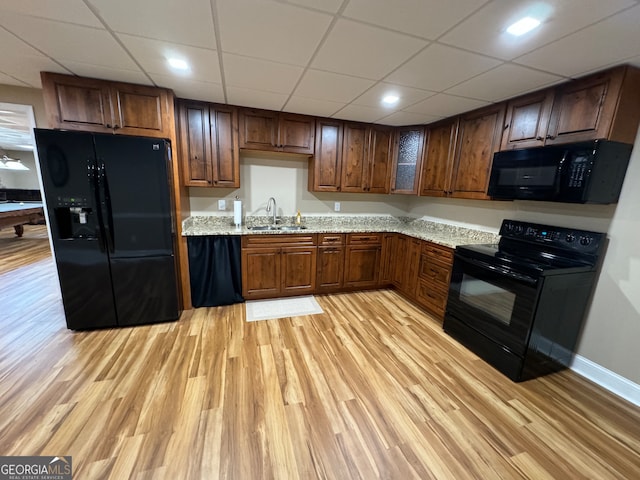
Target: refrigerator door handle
108,224
92,176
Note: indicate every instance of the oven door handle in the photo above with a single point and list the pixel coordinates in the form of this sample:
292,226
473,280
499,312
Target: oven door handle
502,271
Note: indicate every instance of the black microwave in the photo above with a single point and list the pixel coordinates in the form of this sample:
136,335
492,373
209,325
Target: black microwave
586,172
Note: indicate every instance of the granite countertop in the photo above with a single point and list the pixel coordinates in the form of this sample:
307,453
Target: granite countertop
440,233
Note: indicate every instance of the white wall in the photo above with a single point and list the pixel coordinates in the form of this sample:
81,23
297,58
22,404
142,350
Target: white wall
285,179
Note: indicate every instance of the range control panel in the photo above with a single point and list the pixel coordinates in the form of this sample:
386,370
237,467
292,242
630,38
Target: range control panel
582,241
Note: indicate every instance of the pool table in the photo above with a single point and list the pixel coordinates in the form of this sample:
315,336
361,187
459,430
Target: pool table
17,214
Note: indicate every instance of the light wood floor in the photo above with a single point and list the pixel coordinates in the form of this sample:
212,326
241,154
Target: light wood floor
372,388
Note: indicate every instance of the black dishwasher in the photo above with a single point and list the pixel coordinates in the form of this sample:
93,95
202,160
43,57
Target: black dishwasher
214,270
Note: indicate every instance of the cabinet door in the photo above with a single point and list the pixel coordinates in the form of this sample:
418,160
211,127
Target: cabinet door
296,133
298,270
380,159
400,253
585,109
411,267
527,120
386,259
75,103
407,160
195,143
140,110
355,146
261,272
478,139
326,164
438,160
225,158
258,129
362,265
330,268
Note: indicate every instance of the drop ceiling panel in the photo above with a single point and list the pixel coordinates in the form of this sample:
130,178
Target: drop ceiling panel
443,105
485,32
191,89
331,86
364,51
271,31
255,98
256,74
588,49
64,41
330,6
153,55
107,73
187,23
408,118
7,80
71,11
439,67
312,106
504,82
407,95
359,113
27,68
424,18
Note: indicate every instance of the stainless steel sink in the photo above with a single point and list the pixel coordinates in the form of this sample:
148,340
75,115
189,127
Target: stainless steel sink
292,228
285,228
262,227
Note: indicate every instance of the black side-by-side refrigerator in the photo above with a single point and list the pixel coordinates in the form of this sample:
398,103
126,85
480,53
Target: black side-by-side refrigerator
108,201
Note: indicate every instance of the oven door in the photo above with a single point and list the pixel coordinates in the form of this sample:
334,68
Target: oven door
492,300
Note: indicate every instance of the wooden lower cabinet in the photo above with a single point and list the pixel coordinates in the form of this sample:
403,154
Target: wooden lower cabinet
434,274
330,276
286,265
278,265
362,260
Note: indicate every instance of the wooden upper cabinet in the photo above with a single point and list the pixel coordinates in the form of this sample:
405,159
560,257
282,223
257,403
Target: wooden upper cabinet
479,135
526,120
209,144
87,104
407,160
604,105
439,155
326,164
600,106
355,150
380,159
276,131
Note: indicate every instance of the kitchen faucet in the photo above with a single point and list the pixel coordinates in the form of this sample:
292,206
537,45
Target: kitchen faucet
275,209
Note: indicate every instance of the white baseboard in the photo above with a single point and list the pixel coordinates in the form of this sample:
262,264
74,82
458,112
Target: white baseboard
607,379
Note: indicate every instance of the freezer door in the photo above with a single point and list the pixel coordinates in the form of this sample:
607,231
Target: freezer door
67,164
134,175
145,290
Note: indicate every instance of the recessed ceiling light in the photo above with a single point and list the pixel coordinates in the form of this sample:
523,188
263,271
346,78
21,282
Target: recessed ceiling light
178,64
523,26
390,99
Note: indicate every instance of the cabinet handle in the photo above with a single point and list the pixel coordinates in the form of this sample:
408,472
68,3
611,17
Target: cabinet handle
539,138
108,125
551,137
506,126
116,127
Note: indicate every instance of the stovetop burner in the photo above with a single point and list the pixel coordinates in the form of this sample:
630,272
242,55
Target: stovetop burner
539,249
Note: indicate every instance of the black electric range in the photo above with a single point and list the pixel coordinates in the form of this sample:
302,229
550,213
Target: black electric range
520,303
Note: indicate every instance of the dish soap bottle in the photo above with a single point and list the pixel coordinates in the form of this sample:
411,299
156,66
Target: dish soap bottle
298,218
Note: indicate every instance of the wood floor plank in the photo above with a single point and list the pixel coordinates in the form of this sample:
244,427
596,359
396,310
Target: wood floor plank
371,388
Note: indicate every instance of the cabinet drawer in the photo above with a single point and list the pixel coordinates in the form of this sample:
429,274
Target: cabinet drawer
364,238
437,251
432,297
435,271
328,239
254,241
